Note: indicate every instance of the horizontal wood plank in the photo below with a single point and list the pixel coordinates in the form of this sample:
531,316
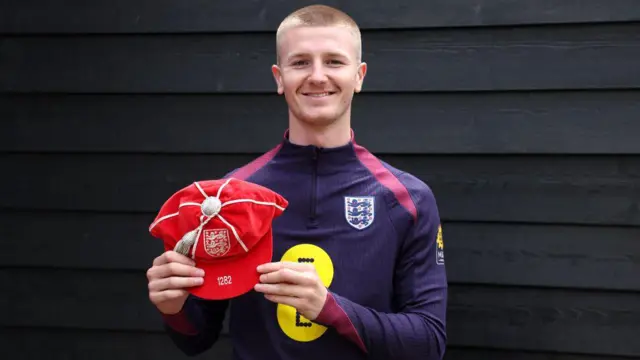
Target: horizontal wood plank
503,318
78,240
472,353
452,123
527,58
126,16
476,253
101,300
580,190
57,344
54,343
544,320
598,258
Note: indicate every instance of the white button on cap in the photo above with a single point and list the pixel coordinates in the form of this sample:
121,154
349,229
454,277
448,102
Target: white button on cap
211,206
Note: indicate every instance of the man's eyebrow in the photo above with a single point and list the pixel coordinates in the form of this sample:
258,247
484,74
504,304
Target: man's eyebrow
301,54
295,55
338,54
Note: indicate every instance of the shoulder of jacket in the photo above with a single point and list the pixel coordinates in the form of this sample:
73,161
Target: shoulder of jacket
410,191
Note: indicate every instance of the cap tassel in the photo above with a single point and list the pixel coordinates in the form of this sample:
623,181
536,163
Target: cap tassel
189,239
183,246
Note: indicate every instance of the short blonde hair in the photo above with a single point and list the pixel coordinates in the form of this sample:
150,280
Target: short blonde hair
320,15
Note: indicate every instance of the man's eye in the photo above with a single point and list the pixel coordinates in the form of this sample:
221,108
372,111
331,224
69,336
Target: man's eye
335,62
299,63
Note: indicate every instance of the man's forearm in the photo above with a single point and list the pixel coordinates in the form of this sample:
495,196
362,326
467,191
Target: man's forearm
402,336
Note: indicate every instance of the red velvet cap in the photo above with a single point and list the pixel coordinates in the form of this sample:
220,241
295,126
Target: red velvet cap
225,226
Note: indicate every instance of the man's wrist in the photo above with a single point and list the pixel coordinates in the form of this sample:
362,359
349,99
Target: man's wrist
330,311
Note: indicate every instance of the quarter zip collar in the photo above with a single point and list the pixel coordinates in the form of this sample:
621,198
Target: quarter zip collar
324,160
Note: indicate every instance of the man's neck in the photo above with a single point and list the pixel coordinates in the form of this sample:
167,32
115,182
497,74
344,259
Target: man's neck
331,136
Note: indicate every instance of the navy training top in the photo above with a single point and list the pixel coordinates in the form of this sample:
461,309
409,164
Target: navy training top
373,233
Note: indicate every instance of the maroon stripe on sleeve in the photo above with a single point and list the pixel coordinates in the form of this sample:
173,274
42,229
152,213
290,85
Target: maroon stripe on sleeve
180,323
333,315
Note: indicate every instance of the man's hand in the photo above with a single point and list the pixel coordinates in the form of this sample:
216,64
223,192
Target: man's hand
295,284
170,274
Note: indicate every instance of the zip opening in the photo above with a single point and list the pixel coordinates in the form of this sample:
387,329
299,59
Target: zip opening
314,189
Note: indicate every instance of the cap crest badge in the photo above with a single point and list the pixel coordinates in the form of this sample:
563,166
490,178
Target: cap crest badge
216,242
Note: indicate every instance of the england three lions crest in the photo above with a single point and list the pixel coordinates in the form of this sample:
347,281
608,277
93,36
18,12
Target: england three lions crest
359,211
216,242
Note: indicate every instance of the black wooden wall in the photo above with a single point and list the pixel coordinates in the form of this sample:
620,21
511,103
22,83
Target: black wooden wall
523,116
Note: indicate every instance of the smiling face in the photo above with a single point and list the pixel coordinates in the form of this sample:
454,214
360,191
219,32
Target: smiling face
319,70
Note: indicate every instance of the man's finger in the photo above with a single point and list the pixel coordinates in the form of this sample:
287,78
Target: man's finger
288,276
174,282
294,302
173,269
172,256
167,295
283,290
275,266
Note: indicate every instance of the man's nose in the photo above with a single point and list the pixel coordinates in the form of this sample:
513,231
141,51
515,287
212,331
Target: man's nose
318,74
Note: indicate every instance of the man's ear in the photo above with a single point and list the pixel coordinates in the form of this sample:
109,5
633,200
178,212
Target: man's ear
277,75
362,72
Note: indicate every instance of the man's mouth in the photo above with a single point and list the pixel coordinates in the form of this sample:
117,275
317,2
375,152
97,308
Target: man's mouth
318,94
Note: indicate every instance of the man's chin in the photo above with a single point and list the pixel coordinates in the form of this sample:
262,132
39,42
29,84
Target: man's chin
319,119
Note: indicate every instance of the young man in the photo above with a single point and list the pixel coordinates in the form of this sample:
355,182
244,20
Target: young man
357,269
